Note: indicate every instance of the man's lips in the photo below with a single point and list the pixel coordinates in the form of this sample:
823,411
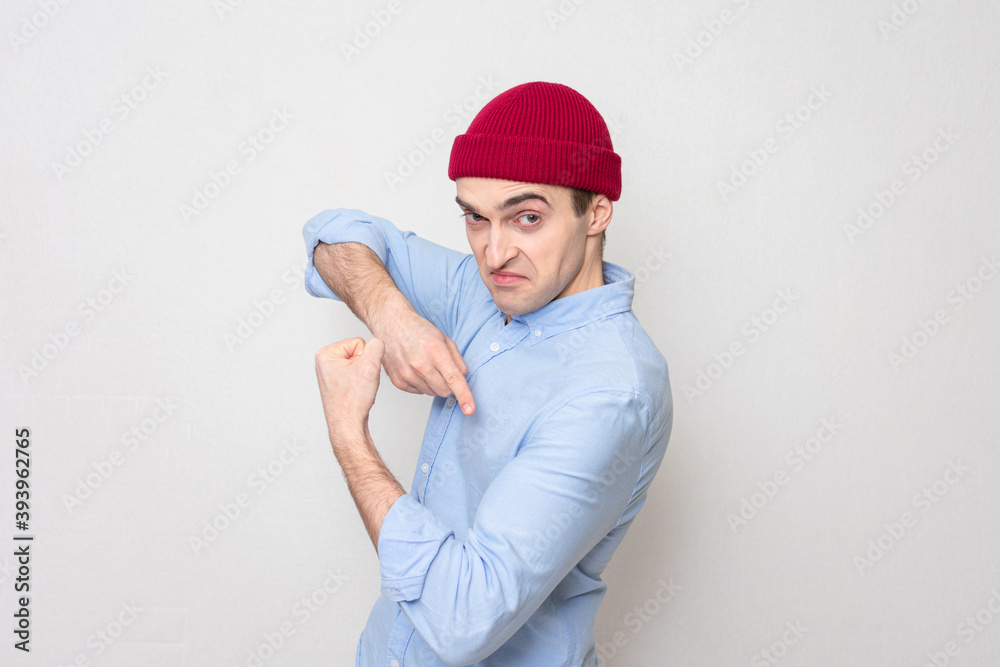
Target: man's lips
506,277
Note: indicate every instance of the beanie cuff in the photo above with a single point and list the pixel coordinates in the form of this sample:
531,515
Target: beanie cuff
537,160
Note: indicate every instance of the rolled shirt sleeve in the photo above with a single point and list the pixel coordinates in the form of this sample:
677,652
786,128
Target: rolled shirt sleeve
570,483
434,279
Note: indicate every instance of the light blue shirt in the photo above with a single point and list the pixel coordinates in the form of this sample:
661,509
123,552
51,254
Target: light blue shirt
495,555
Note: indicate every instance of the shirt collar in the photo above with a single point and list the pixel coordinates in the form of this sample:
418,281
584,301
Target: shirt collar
577,310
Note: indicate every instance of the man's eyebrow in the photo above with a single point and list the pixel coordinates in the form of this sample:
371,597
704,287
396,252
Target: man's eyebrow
464,205
510,202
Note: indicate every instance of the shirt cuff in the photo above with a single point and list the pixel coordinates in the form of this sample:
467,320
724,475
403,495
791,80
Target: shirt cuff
337,226
409,539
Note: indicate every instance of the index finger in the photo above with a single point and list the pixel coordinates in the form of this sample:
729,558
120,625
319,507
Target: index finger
459,387
456,355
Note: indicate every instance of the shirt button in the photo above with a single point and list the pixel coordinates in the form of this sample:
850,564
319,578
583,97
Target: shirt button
538,332
394,663
450,402
424,468
495,346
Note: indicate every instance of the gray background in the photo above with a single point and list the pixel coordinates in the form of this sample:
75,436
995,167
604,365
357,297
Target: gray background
155,100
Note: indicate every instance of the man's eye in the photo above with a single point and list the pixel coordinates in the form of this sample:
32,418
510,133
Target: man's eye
473,217
530,219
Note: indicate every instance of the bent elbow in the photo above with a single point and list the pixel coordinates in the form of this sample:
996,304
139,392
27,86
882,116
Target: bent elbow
462,645
464,653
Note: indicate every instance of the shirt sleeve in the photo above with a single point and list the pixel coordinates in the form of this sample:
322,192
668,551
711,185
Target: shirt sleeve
567,487
434,279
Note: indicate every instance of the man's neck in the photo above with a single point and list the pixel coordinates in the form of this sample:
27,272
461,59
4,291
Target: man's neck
591,275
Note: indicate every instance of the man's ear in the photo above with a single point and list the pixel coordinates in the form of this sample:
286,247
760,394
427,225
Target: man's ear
601,210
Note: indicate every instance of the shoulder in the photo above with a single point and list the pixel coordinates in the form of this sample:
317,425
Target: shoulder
614,352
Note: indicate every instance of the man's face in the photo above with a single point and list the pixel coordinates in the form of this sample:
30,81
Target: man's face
527,240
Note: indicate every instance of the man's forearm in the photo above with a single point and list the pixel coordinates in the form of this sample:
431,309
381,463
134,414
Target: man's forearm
356,274
372,486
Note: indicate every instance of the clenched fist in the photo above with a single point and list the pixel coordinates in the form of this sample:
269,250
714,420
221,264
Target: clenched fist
348,372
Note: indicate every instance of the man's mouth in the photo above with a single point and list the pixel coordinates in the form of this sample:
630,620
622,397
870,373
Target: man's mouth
503,278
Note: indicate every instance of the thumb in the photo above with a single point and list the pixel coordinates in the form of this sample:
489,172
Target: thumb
374,351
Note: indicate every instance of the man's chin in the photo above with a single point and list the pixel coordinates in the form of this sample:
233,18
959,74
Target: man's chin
516,306
508,307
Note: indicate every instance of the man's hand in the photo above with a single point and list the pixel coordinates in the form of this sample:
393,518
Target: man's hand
421,359
348,372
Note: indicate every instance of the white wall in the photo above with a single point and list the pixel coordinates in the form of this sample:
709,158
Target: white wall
858,295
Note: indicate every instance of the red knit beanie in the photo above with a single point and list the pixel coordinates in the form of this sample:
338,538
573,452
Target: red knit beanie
540,132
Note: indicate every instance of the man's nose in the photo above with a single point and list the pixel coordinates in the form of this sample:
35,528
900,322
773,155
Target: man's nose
500,248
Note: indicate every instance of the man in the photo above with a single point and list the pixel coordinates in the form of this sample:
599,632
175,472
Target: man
552,406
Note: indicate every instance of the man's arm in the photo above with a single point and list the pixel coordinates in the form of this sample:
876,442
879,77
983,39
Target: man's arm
420,357
348,375
356,274
372,486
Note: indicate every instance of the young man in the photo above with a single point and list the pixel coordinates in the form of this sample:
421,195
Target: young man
552,406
